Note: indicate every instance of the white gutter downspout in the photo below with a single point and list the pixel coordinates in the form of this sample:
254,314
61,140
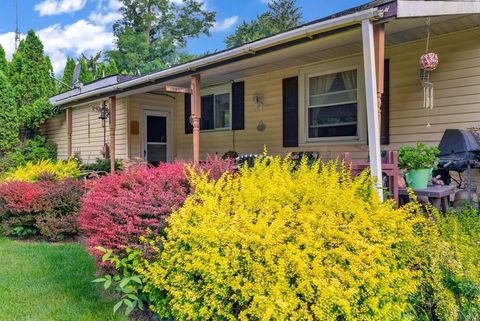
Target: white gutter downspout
299,33
372,105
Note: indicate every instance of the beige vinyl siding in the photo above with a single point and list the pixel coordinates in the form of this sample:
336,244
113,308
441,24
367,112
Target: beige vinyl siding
457,103
87,142
456,89
151,102
55,129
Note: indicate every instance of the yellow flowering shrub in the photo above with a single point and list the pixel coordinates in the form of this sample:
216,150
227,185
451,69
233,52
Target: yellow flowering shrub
32,172
272,243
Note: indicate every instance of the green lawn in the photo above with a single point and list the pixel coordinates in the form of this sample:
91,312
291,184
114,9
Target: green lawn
49,282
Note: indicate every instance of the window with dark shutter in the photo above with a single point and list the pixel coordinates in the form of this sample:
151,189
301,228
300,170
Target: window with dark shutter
385,108
290,111
188,111
238,105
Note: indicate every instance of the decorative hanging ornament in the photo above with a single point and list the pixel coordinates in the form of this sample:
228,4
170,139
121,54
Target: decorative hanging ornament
428,63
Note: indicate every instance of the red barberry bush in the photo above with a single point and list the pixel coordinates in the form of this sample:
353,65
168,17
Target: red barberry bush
120,208
47,208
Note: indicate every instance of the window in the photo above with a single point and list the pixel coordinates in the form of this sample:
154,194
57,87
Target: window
332,105
215,111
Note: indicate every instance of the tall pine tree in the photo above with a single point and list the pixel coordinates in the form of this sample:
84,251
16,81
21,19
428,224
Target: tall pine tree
280,16
8,116
29,74
3,60
67,77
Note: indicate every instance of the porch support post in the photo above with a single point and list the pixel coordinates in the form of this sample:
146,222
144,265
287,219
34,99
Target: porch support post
69,131
379,39
372,105
196,112
113,121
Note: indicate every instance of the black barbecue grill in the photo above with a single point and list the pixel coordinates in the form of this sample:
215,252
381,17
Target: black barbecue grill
459,152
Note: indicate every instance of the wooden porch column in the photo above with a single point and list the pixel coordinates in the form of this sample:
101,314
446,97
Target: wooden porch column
113,121
379,39
372,105
196,112
69,131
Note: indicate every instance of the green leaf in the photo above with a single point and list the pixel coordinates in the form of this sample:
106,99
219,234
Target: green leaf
132,296
99,280
107,284
107,255
129,310
124,282
117,306
128,302
137,279
101,249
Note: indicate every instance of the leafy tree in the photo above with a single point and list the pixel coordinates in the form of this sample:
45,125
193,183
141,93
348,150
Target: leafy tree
92,62
8,116
3,60
152,33
29,74
106,69
280,16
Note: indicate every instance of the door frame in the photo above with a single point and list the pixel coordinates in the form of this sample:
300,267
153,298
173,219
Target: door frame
161,112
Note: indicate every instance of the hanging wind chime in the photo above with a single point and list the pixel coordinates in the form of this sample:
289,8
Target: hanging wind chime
428,63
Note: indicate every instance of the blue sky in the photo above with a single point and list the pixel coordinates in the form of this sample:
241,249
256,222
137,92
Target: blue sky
72,27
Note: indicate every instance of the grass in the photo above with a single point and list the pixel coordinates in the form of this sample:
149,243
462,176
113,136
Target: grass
49,282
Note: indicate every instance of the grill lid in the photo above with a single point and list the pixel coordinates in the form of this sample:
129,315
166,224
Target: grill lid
458,143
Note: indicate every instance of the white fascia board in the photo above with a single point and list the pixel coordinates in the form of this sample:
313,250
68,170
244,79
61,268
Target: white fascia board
410,8
305,31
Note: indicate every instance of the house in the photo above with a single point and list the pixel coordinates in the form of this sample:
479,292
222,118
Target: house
350,82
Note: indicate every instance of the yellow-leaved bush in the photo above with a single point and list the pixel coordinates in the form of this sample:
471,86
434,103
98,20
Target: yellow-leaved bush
32,172
273,243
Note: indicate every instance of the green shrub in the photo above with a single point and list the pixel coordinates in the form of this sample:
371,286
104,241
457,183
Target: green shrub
33,150
277,244
102,165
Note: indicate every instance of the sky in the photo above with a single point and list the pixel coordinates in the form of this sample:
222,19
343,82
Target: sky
72,27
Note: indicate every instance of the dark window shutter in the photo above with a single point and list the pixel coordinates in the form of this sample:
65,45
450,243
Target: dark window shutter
238,105
206,120
290,112
385,108
188,112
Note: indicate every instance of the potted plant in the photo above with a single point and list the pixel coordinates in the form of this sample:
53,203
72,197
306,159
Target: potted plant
417,162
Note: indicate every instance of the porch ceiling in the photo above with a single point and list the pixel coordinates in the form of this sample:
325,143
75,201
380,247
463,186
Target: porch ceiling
338,45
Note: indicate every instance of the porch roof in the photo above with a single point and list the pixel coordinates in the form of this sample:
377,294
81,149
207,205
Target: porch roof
308,43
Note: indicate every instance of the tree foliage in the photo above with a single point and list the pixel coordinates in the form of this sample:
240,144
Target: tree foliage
8,116
152,33
3,60
67,77
29,74
280,16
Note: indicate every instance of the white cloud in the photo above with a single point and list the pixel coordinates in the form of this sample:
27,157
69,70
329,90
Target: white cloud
225,24
7,40
104,19
54,7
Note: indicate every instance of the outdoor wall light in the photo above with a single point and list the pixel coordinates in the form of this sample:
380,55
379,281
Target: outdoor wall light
257,101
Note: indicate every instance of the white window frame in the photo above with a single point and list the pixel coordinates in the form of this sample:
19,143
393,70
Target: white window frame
218,90
156,111
327,68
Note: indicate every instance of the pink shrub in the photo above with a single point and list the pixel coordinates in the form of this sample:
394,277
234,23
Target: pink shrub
215,166
120,208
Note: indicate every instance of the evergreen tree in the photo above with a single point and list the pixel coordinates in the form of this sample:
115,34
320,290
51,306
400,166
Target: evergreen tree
8,116
3,60
152,33
67,77
85,74
111,68
29,74
280,16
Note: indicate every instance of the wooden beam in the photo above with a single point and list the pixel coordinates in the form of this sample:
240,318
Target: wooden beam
69,131
379,40
372,106
113,123
174,89
196,112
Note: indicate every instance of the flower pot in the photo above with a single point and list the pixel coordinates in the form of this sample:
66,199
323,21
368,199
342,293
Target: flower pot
418,178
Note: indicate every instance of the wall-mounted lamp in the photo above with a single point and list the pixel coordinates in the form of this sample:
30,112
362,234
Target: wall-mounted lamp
257,101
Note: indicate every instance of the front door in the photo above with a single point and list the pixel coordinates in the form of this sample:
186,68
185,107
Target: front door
156,147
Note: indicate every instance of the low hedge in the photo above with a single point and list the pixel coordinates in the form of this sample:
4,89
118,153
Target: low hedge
45,208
